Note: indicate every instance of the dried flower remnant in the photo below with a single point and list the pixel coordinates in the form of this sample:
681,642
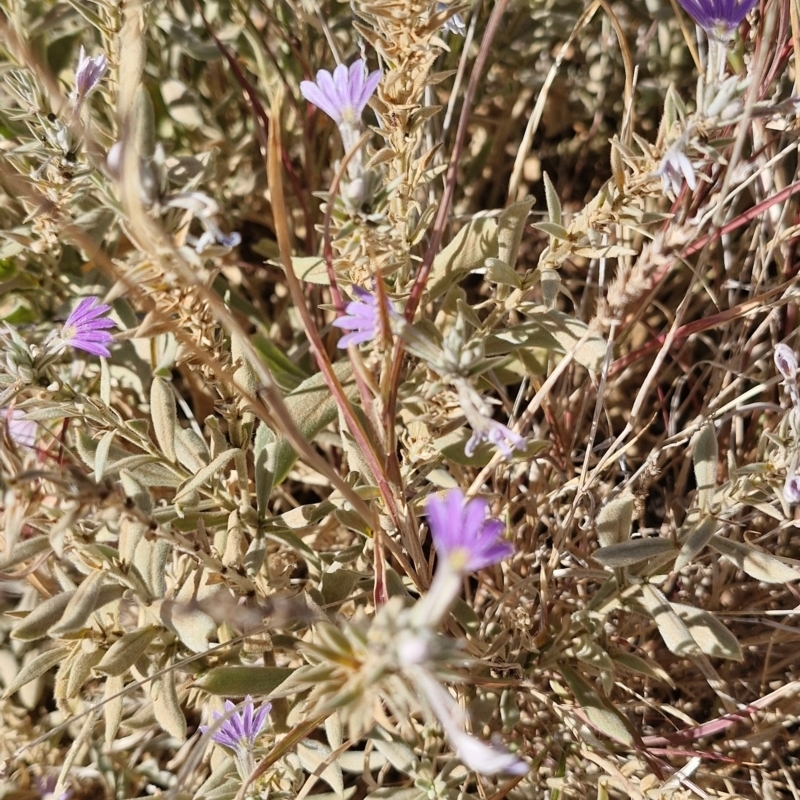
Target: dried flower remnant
674,168
86,329
481,757
88,75
718,18
239,731
361,318
343,96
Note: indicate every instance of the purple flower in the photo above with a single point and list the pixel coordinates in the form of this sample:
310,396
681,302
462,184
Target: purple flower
718,18
87,75
361,318
501,436
241,727
791,489
465,540
21,431
85,328
343,95
240,730
47,787
455,23
484,428
674,168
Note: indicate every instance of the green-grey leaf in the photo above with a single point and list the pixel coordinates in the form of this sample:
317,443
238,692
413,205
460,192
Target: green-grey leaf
264,453
101,456
36,667
311,269
167,707
312,408
42,618
467,251
24,550
713,638
127,650
756,563
614,521
497,271
241,681
82,603
599,712
553,229
313,755
163,412
510,228
193,626
626,554
206,474
705,465
672,628
695,542
552,199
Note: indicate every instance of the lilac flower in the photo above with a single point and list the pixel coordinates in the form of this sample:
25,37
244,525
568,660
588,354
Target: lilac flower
465,540
454,24
239,731
342,95
501,436
361,318
88,74
791,489
21,431
86,328
674,168
718,18
484,428
207,211
47,789
786,362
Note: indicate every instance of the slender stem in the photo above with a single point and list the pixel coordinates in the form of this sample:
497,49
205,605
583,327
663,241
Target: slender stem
444,207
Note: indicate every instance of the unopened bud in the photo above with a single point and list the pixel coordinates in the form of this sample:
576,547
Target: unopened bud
786,362
791,489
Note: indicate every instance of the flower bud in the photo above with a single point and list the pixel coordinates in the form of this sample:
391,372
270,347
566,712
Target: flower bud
786,362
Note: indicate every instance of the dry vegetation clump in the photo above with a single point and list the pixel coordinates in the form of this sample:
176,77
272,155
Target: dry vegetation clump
399,399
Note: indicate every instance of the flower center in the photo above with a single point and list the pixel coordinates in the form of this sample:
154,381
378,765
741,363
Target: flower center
458,559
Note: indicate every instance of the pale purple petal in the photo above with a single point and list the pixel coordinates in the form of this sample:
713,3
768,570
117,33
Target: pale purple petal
241,728
361,316
343,94
21,431
718,17
85,328
370,85
341,84
464,538
791,489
